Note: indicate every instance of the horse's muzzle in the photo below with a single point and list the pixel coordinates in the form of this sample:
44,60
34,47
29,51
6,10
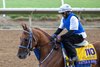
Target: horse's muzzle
22,56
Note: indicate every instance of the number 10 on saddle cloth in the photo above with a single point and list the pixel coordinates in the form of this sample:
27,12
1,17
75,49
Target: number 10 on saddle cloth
87,54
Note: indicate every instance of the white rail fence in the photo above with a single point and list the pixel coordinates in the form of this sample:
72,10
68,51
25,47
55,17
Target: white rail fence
44,10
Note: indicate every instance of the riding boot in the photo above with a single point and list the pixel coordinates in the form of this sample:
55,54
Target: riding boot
71,51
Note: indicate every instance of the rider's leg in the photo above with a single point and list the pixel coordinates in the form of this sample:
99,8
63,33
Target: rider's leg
69,42
71,52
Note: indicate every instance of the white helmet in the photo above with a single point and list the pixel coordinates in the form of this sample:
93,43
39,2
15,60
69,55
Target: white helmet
65,7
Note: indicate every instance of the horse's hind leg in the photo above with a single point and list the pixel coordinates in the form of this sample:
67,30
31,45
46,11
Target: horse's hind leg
97,47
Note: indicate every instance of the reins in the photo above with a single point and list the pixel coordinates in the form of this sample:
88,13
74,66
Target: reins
52,43
46,57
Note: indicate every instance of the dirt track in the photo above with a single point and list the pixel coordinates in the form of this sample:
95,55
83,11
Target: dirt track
9,41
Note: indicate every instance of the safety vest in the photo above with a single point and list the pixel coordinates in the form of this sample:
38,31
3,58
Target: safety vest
66,22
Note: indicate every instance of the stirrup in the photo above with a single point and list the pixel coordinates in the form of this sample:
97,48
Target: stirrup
70,62
75,58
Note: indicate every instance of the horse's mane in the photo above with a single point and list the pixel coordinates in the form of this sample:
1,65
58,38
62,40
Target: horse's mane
43,32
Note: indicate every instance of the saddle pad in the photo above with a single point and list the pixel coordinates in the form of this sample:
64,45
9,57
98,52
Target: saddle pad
86,53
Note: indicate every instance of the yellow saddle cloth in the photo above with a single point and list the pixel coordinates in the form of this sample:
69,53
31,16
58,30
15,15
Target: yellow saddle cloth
86,53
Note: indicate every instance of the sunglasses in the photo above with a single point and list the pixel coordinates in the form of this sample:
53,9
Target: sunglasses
62,13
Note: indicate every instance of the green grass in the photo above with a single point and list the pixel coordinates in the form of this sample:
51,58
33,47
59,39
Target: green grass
84,3
1,3
34,16
50,3
32,3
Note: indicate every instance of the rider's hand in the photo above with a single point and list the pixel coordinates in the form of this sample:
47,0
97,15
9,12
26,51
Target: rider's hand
58,38
53,37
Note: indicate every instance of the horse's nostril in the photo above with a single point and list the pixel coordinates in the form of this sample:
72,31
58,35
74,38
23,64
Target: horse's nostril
19,56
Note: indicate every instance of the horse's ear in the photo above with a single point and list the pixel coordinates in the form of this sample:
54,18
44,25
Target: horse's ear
24,26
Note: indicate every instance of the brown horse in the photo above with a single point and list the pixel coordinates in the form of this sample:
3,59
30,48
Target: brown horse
37,38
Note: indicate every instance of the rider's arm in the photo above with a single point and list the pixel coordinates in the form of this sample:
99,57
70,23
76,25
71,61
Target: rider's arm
73,26
58,31
68,34
60,28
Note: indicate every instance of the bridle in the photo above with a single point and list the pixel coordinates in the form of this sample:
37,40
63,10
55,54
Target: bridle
29,47
30,39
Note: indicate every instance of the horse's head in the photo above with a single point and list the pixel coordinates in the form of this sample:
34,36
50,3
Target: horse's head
37,38
27,42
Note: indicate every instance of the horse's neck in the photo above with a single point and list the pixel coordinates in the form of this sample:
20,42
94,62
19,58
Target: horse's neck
45,48
44,43
47,55
44,51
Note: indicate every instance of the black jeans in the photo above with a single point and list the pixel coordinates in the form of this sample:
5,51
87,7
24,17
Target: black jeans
69,41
